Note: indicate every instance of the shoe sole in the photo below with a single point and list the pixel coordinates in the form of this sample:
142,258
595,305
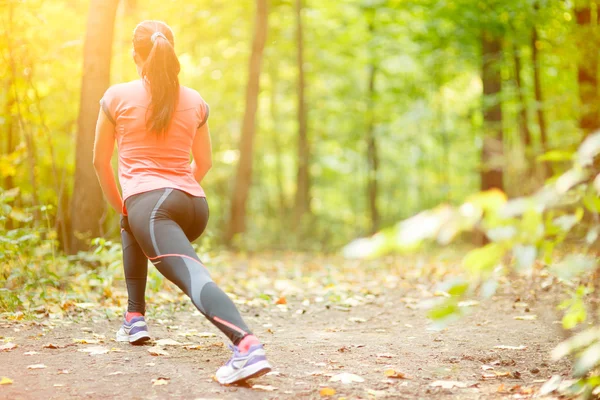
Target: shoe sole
253,371
138,338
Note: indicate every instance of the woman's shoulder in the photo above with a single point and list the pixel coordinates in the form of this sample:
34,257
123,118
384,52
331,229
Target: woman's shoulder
191,95
125,87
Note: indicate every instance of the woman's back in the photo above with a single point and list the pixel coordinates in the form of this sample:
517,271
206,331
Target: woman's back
149,160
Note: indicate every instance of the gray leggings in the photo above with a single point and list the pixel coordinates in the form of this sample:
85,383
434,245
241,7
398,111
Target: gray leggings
159,227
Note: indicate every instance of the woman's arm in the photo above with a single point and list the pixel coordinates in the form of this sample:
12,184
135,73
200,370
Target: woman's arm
202,152
104,144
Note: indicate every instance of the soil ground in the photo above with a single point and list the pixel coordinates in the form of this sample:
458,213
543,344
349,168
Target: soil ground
308,344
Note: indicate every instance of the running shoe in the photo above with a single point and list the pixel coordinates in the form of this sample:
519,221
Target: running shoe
134,331
243,366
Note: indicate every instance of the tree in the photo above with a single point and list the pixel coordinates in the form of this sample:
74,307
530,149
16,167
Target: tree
372,154
302,205
88,206
491,156
243,179
587,71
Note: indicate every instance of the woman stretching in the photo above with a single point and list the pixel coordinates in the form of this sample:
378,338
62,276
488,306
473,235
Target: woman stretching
157,123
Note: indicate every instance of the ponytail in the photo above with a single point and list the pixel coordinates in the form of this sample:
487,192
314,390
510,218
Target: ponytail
153,41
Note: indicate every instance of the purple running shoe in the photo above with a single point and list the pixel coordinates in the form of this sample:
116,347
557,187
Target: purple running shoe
244,366
134,331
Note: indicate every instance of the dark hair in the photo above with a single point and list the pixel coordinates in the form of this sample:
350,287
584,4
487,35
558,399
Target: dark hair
153,42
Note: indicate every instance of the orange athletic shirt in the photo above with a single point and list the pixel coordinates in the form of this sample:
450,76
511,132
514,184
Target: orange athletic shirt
148,161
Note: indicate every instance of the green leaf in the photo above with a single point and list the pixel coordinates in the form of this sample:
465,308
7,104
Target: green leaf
555,156
484,259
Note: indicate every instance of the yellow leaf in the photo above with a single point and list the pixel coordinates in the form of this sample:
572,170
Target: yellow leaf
392,373
327,392
5,381
160,381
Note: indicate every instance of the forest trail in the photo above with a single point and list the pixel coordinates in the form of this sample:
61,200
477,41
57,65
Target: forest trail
308,345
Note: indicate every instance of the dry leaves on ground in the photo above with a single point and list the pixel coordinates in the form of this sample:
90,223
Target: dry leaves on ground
157,351
160,381
346,378
266,388
448,384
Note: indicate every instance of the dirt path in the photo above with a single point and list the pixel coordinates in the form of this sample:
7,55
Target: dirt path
305,347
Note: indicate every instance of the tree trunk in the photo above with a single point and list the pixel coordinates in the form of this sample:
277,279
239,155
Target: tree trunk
492,153
523,123
587,75
25,128
302,205
88,205
372,154
237,222
539,99
279,173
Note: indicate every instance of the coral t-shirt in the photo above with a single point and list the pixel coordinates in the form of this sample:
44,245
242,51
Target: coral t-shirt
150,161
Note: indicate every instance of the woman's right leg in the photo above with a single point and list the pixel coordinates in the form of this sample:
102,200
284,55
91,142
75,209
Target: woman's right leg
152,218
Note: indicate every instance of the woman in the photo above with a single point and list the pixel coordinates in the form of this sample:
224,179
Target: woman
157,123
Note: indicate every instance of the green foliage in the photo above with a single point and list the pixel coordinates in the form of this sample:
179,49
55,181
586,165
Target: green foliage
530,229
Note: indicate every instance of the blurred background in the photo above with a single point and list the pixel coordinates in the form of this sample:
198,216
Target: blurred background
330,120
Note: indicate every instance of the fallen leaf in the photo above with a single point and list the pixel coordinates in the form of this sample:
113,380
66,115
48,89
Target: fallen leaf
150,364
5,381
386,355
160,381
51,346
448,384
346,377
8,346
157,351
206,334
95,350
274,373
266,388
116,373
357,320
281,300
36,366
86,341
526,317
30,353
392,373
487,367
58,385
377,393
503,347
193,347
85,305
63,372
468,303
327,392
168,342
488,376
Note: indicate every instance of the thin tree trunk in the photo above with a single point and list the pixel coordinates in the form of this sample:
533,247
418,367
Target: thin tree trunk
539,99
523,124
277,144
587,75
26,129
237,222
60,215
372,153
303,177
88,205
491,157
11,143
